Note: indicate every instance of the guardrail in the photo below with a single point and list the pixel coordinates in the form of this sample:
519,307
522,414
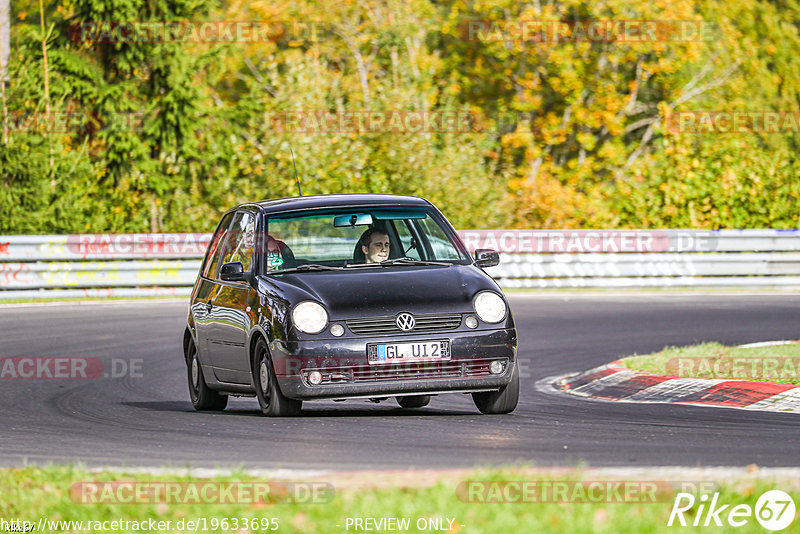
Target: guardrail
60,266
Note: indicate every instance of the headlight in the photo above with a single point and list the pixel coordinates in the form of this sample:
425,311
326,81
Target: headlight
310,317
490,307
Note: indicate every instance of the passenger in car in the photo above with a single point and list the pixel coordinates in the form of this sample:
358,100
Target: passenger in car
278,254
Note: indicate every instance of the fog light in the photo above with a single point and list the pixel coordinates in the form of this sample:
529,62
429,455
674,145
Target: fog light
315,377
337,330
471,322
496,367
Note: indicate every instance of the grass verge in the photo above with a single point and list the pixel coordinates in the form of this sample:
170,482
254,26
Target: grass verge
776,363
426,499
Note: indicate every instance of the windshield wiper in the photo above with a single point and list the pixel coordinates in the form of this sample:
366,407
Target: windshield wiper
412,261
399,261
306,268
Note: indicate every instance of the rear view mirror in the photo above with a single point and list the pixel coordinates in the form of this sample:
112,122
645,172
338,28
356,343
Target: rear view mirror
354,219
486,257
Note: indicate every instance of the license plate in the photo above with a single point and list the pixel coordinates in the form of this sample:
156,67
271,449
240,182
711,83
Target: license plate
420,351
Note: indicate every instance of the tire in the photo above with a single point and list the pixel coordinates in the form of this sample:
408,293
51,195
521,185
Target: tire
272,401
502,401
203,397
414,401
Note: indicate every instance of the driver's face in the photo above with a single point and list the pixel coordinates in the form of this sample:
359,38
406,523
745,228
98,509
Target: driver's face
378,249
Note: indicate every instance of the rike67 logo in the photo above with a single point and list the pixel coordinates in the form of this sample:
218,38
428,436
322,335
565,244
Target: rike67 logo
774,511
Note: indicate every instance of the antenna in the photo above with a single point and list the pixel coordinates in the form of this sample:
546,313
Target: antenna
295,172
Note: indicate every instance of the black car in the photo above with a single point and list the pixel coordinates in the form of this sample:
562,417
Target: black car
347,296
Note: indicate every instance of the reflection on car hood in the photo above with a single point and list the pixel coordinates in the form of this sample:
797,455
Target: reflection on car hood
387,290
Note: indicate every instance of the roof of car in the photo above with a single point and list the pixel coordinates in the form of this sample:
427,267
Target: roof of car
336,201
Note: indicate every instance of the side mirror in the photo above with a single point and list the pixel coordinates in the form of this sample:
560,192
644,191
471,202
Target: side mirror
486,257
232,272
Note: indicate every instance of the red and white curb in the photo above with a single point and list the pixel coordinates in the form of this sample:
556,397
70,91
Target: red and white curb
614,382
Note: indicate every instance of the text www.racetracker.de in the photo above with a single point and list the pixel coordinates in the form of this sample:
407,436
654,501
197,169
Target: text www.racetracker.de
200,524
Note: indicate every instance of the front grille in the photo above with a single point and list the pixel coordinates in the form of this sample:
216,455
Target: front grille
387,324
406,371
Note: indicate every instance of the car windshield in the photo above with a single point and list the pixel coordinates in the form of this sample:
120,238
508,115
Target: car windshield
358,238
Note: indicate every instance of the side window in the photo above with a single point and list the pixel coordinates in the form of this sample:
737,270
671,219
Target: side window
239,245
244,250
212,258
443,249
407,240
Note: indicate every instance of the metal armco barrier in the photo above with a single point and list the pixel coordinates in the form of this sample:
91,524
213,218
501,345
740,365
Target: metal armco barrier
642,258
99,265
125,265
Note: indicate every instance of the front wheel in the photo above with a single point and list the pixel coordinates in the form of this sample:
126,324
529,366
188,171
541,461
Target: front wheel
502,401
203,397
272,401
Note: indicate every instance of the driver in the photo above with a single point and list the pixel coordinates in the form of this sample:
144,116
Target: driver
375,245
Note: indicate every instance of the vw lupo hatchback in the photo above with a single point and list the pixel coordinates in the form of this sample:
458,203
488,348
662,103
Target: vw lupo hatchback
344,297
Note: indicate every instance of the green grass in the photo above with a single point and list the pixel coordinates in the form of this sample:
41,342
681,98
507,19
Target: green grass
779,363
30,493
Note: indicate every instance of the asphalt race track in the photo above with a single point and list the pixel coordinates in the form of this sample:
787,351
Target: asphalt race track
145,418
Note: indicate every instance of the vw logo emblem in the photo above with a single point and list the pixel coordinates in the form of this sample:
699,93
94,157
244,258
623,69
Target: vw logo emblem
405,321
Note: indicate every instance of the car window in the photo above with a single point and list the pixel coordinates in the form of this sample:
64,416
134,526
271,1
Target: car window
314,238
411,248
212,257
327,238
443,249
239,243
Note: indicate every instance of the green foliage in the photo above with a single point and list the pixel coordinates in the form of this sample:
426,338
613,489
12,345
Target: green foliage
164,136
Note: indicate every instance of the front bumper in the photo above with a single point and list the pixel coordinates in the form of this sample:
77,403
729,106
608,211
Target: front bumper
347,373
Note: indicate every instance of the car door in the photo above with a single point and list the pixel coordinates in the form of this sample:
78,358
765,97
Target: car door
207,287
230,313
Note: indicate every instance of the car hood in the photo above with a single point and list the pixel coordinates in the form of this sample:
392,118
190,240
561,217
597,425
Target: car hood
366,292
